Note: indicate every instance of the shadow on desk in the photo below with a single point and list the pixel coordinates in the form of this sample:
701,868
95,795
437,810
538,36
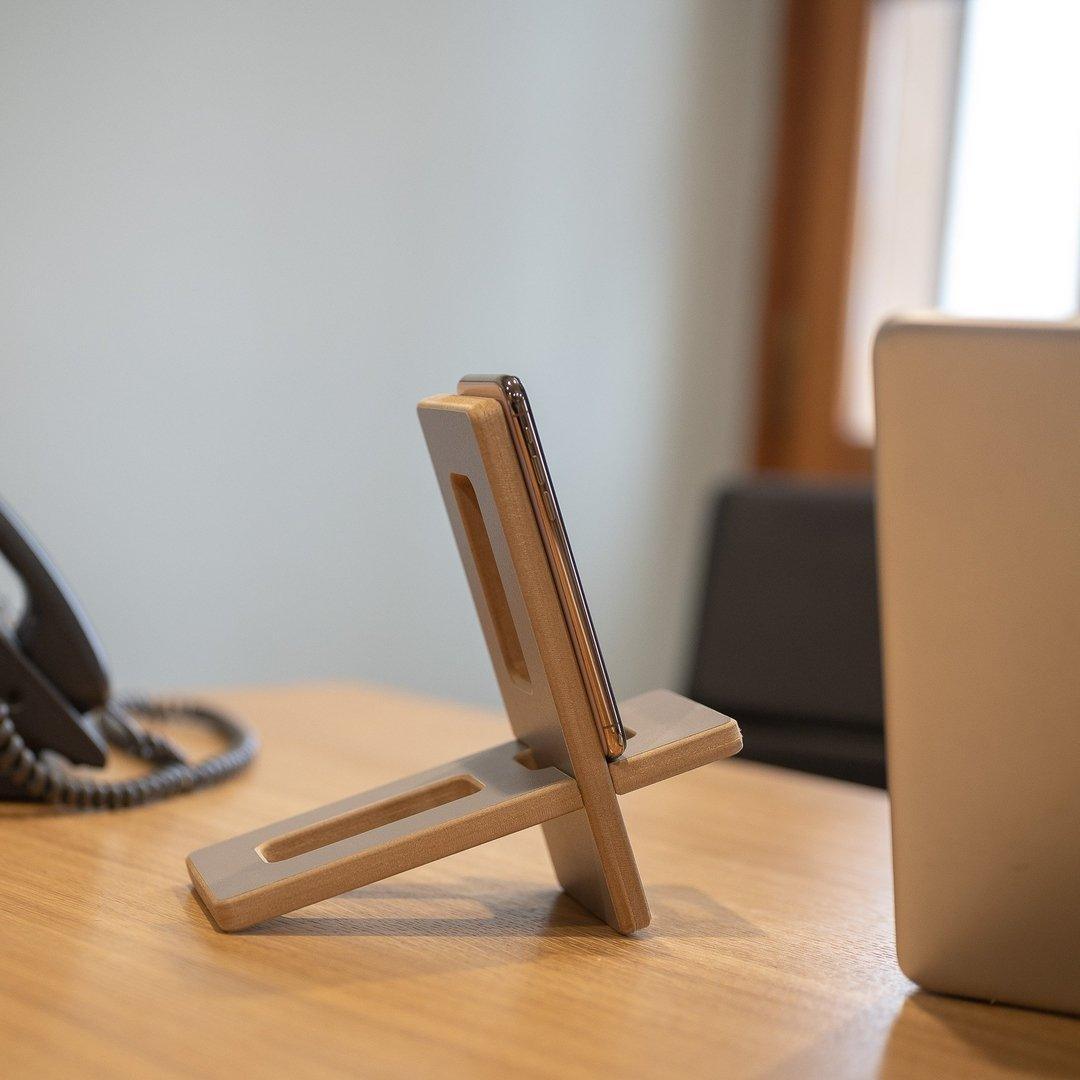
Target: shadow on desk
489,907
999,1037
932,1035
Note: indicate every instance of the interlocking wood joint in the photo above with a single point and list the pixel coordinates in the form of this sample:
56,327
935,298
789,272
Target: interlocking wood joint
554,774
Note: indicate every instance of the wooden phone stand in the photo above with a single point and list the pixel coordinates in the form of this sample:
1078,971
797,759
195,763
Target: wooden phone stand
555,774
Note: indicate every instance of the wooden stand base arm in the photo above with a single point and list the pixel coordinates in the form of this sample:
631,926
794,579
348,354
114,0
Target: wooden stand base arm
464,803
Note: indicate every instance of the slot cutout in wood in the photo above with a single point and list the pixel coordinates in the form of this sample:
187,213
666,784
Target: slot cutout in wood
366,818
527,759
490,580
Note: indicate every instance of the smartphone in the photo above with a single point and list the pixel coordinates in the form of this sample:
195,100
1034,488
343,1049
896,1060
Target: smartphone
508,391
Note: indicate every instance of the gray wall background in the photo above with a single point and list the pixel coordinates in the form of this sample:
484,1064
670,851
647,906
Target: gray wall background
241,240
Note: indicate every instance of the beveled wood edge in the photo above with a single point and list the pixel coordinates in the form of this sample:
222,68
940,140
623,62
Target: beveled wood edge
671,735
674,758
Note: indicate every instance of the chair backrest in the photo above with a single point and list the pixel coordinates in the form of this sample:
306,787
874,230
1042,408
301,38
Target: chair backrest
789,640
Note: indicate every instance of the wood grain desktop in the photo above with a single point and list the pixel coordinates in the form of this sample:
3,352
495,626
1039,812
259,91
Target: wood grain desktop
770,952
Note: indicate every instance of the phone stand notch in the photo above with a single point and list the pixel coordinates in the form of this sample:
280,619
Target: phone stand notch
554,774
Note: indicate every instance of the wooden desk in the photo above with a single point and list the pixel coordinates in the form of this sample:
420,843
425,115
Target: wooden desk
770,951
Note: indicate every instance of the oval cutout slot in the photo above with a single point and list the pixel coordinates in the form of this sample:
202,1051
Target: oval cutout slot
365,818
490,580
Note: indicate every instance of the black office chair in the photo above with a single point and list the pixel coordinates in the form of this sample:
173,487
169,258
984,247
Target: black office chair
789,641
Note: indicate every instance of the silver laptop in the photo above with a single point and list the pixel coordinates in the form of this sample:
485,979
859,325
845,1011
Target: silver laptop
978,512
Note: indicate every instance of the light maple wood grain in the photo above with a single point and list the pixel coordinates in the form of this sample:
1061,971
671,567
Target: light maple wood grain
503,554
286,865
567,786
770,951
376,834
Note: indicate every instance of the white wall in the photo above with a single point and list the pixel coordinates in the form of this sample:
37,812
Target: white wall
240,241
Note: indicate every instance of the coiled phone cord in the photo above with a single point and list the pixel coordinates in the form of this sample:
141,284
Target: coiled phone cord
43,778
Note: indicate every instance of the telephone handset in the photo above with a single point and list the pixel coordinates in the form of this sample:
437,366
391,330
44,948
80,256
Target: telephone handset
55,701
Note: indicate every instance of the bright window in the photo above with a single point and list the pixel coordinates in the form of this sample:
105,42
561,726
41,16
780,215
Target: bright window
969,175
1012,228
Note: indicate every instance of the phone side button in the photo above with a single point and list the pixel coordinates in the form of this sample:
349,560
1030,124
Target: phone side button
538,472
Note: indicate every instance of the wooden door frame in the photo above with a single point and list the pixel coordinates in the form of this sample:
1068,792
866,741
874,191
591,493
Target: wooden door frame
812,221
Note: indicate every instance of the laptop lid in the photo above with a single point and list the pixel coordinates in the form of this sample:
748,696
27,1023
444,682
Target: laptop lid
977,475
